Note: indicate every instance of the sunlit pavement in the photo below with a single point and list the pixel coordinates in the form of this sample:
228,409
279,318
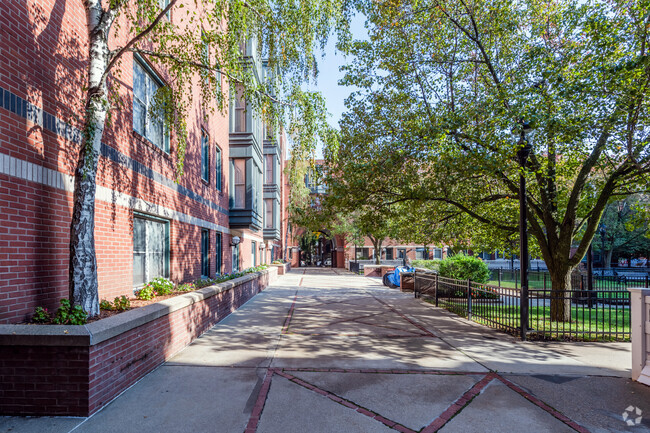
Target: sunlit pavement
327,351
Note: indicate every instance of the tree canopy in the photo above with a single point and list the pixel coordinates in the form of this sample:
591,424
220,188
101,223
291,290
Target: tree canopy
445,83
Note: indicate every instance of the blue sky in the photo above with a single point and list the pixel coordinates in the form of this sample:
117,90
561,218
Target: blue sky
329,73
329,76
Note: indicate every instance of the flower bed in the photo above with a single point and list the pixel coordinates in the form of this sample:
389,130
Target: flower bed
75,370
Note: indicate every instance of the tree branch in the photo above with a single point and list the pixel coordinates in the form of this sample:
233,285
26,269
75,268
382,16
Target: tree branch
137,38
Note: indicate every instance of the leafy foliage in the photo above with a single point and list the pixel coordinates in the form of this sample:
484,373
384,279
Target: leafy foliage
162,286
464,267
187,287
41,315
106,305
70,315
205,282
146,293
121,303
445,83
434,265
262,51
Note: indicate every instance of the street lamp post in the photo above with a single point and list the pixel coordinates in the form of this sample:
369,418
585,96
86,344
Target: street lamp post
603,235
522,157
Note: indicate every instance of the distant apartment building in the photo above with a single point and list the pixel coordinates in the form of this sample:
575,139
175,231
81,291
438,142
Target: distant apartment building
338,250
147,223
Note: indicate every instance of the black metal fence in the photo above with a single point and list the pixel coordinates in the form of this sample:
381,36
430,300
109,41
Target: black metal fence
577,314
542,280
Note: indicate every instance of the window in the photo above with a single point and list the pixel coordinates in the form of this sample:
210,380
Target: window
217,248
205,157
420,254
401,253
240,183
437,253
268,213
217,174
389,253
218,78
205,253
268,130
240,110
269,169
150,249
255,175
235,258
363,253
148,120
254,253
163,4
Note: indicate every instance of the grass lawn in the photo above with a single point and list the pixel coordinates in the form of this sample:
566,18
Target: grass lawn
586,324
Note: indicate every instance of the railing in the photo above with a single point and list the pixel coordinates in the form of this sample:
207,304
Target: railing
542,280
579,314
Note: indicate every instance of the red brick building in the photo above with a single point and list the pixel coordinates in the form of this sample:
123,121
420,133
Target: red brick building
147,224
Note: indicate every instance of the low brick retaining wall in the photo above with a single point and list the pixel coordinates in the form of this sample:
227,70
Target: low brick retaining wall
76,370
377,270
282,268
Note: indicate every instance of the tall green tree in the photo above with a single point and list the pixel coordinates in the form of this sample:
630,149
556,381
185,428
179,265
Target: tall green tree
623,231
193,41
444,84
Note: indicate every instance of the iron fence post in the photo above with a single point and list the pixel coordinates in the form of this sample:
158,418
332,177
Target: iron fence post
469,299
499,277
516,281
436,288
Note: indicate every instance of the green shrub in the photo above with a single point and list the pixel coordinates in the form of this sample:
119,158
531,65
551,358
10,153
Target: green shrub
146,293
434,265
162,286
105,305
121,303
41,315
69,315
463,267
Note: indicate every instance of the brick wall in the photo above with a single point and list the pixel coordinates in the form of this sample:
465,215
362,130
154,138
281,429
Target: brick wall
44,65
44,380
73,375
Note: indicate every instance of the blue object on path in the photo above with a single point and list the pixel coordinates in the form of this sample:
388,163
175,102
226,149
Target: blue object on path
392,279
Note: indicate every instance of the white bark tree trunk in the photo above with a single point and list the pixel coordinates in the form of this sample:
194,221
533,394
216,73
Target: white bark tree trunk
83,283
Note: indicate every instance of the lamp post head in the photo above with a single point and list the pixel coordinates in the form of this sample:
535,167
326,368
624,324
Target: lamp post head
523,133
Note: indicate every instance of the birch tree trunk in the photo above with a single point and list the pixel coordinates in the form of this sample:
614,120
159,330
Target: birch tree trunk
83,283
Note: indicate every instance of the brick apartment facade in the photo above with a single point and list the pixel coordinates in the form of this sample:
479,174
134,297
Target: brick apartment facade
147,224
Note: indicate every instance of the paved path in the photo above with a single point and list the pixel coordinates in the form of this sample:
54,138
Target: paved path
328,351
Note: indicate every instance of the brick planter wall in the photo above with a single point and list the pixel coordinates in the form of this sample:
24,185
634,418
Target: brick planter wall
282,268
76,370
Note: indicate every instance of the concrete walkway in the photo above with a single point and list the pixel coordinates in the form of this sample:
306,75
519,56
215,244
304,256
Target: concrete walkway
328,351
